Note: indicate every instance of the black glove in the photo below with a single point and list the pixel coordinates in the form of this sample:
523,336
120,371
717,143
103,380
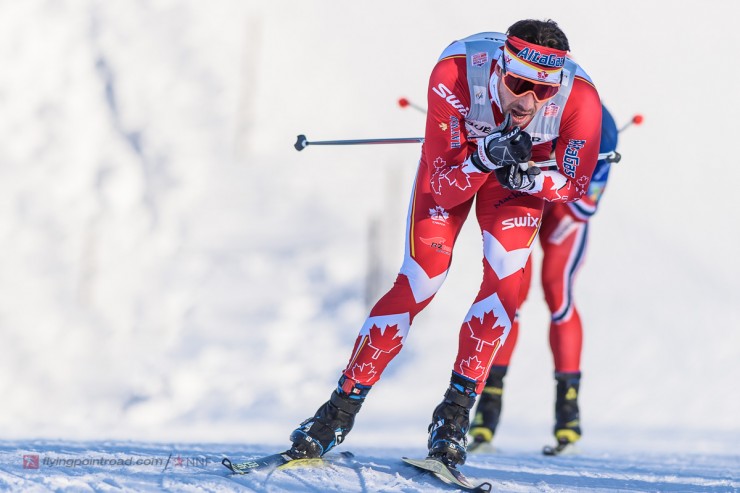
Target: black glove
517,176
499,149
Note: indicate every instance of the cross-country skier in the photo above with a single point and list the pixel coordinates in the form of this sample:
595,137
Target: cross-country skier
563,237
496,102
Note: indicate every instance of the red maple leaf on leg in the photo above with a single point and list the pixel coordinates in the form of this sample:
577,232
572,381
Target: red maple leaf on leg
363,373
486,330
385,341
472,368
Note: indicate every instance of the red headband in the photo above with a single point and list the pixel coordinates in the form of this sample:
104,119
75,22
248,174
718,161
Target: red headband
533,61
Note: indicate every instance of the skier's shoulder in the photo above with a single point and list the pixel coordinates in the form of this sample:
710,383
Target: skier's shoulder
583,98
582,85
449,75
457,47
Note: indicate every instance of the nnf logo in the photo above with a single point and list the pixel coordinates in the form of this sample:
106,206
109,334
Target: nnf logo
31,461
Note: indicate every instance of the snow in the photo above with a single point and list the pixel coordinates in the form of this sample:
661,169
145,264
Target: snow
176,279
128,466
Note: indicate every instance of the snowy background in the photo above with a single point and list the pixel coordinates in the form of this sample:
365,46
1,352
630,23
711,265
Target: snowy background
171,269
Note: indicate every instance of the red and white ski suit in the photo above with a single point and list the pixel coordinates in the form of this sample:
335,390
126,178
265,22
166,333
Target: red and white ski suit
442,197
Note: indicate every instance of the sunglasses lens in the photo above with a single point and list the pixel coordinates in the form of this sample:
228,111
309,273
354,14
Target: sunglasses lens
520,86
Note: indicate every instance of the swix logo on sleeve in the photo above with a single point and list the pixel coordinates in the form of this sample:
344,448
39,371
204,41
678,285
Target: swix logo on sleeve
520,222
571,159
535,56
444,92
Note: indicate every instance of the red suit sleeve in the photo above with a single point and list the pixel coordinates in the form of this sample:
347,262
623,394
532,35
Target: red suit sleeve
445,137
577,148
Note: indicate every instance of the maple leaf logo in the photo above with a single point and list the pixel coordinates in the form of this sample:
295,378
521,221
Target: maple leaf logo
385,341
557,185
443,174
439,214
364,372
542,75
471,367
486,330
582,185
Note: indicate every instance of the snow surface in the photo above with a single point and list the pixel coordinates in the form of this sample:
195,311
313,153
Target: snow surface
174,272
127,466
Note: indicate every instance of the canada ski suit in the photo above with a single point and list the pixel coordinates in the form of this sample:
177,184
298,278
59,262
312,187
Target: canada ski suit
463,105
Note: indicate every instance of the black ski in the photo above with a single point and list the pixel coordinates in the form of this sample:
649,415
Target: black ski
561,448
275,461
265,463
447,474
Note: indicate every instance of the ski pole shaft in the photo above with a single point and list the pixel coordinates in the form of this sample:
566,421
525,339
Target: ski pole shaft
302,142
611,157
405,103
636,120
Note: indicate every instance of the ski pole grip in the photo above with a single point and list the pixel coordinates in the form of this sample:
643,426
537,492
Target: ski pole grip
301,143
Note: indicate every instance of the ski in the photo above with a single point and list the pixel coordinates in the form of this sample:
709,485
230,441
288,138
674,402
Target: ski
265,463
562,448
281,460
447,474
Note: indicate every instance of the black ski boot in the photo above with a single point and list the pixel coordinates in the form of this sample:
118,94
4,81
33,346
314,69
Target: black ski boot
488,412
331,423
450,422
567,419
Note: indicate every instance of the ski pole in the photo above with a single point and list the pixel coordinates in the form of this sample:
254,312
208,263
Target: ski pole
636,120
610,157
301,143
405,103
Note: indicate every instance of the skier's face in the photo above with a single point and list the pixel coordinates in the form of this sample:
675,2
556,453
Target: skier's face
522,108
